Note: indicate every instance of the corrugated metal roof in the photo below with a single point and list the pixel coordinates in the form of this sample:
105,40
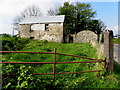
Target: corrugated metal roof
45,19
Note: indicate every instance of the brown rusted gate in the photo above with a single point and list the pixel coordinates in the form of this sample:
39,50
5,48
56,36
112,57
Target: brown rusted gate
54,62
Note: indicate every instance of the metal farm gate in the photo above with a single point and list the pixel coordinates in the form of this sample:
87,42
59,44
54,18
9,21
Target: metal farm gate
54,63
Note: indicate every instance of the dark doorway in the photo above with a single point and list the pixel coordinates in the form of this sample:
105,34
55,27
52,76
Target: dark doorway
71,39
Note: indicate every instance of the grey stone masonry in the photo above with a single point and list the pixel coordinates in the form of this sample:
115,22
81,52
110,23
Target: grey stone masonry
108,49
85,36
50,28
49,31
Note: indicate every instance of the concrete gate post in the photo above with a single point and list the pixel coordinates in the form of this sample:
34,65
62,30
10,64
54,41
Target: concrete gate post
108,49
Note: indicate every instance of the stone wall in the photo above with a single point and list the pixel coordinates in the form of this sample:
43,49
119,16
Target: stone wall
24,31
99,47
90,37
54,32
85,37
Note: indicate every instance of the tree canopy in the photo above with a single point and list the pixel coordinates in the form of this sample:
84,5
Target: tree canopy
77,15
96,26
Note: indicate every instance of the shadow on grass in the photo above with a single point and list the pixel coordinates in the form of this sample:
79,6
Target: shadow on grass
116,68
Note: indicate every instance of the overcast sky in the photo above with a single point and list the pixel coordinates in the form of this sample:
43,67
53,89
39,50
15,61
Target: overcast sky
106,11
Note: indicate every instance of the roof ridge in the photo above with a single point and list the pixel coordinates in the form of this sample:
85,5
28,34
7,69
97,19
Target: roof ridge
43,19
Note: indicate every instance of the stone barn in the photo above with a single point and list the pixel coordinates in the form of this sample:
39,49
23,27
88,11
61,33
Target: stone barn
50,28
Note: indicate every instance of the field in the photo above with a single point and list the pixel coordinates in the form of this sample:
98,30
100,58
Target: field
26,80
116,40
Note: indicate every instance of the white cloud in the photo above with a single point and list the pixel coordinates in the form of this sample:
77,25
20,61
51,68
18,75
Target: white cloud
5,28
11,8
114,29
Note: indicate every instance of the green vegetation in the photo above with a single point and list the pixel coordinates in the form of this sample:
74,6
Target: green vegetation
79,16
10,43
25,79
116,40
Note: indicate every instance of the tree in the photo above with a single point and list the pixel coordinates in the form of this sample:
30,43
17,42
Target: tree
28,12
77,15
31,11
84,13
54,11
16,21
68,10
51,12
96,26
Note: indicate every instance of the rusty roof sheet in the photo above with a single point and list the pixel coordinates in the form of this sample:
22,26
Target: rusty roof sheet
45,19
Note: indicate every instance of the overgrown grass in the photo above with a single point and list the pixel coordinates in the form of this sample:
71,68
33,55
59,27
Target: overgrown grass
43,46
82,80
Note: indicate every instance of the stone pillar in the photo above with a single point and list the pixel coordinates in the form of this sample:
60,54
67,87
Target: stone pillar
108,49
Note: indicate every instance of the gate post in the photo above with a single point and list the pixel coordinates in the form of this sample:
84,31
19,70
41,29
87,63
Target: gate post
0,64
54,65
108,49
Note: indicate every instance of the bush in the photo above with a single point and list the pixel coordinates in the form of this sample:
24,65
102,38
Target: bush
23,78
5,35
13,43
